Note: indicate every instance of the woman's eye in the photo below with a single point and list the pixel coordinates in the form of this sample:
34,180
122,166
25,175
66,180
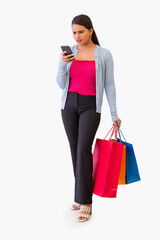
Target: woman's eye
79,32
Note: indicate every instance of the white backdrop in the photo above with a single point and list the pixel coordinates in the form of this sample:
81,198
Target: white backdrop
36,176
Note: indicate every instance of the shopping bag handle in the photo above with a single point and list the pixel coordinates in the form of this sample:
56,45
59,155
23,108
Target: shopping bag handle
113,133
114,130
120,131
108,132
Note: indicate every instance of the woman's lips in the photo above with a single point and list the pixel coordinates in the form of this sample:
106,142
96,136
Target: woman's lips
78,40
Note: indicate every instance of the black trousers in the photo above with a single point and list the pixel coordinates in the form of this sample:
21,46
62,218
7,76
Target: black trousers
81,122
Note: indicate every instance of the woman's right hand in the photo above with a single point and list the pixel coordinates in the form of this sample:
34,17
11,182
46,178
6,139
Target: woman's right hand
68,58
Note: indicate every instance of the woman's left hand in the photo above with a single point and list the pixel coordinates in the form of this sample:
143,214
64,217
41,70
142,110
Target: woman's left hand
117,124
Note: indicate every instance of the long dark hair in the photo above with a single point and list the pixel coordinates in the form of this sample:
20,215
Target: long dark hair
85,21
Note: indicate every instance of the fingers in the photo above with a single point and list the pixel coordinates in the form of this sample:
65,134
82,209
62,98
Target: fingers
117,123
116,128
68,58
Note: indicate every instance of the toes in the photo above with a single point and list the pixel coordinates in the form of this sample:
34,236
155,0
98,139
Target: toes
75,207
82,218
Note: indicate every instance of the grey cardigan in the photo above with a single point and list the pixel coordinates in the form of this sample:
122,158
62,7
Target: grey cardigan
104,78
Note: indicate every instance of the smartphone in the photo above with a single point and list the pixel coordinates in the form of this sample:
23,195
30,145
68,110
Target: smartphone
68,49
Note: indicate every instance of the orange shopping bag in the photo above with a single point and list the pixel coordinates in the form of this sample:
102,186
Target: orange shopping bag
122,174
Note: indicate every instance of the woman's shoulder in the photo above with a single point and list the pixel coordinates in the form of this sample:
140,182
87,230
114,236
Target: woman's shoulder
74,47
105,51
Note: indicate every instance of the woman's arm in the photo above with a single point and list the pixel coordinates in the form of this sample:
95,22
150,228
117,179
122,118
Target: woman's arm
109,86
61,76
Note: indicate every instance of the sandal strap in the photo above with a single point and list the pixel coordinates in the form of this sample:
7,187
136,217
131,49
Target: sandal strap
85,208
84,215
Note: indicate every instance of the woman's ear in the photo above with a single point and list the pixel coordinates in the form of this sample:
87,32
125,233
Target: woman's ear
91,31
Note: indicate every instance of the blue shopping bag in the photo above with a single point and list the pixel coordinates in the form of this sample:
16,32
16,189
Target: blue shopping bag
132,172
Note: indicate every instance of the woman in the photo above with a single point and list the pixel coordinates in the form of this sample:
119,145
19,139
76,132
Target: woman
83,76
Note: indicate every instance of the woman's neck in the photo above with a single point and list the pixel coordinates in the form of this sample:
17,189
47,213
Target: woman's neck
87,47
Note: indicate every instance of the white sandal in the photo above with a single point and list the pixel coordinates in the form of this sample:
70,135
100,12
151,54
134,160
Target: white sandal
75,206
84,208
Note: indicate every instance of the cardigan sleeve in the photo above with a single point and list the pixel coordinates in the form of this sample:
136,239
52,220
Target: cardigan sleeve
109,86
61,76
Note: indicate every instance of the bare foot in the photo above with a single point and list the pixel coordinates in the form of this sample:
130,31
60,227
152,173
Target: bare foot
74,207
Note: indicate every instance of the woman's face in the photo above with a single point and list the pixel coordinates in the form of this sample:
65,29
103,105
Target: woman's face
81,34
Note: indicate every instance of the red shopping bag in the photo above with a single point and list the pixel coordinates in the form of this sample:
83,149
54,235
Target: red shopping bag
107,156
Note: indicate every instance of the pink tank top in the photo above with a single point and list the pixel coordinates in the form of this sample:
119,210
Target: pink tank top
82,77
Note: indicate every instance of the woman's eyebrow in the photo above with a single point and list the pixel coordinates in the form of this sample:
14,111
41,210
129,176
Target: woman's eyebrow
79,31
